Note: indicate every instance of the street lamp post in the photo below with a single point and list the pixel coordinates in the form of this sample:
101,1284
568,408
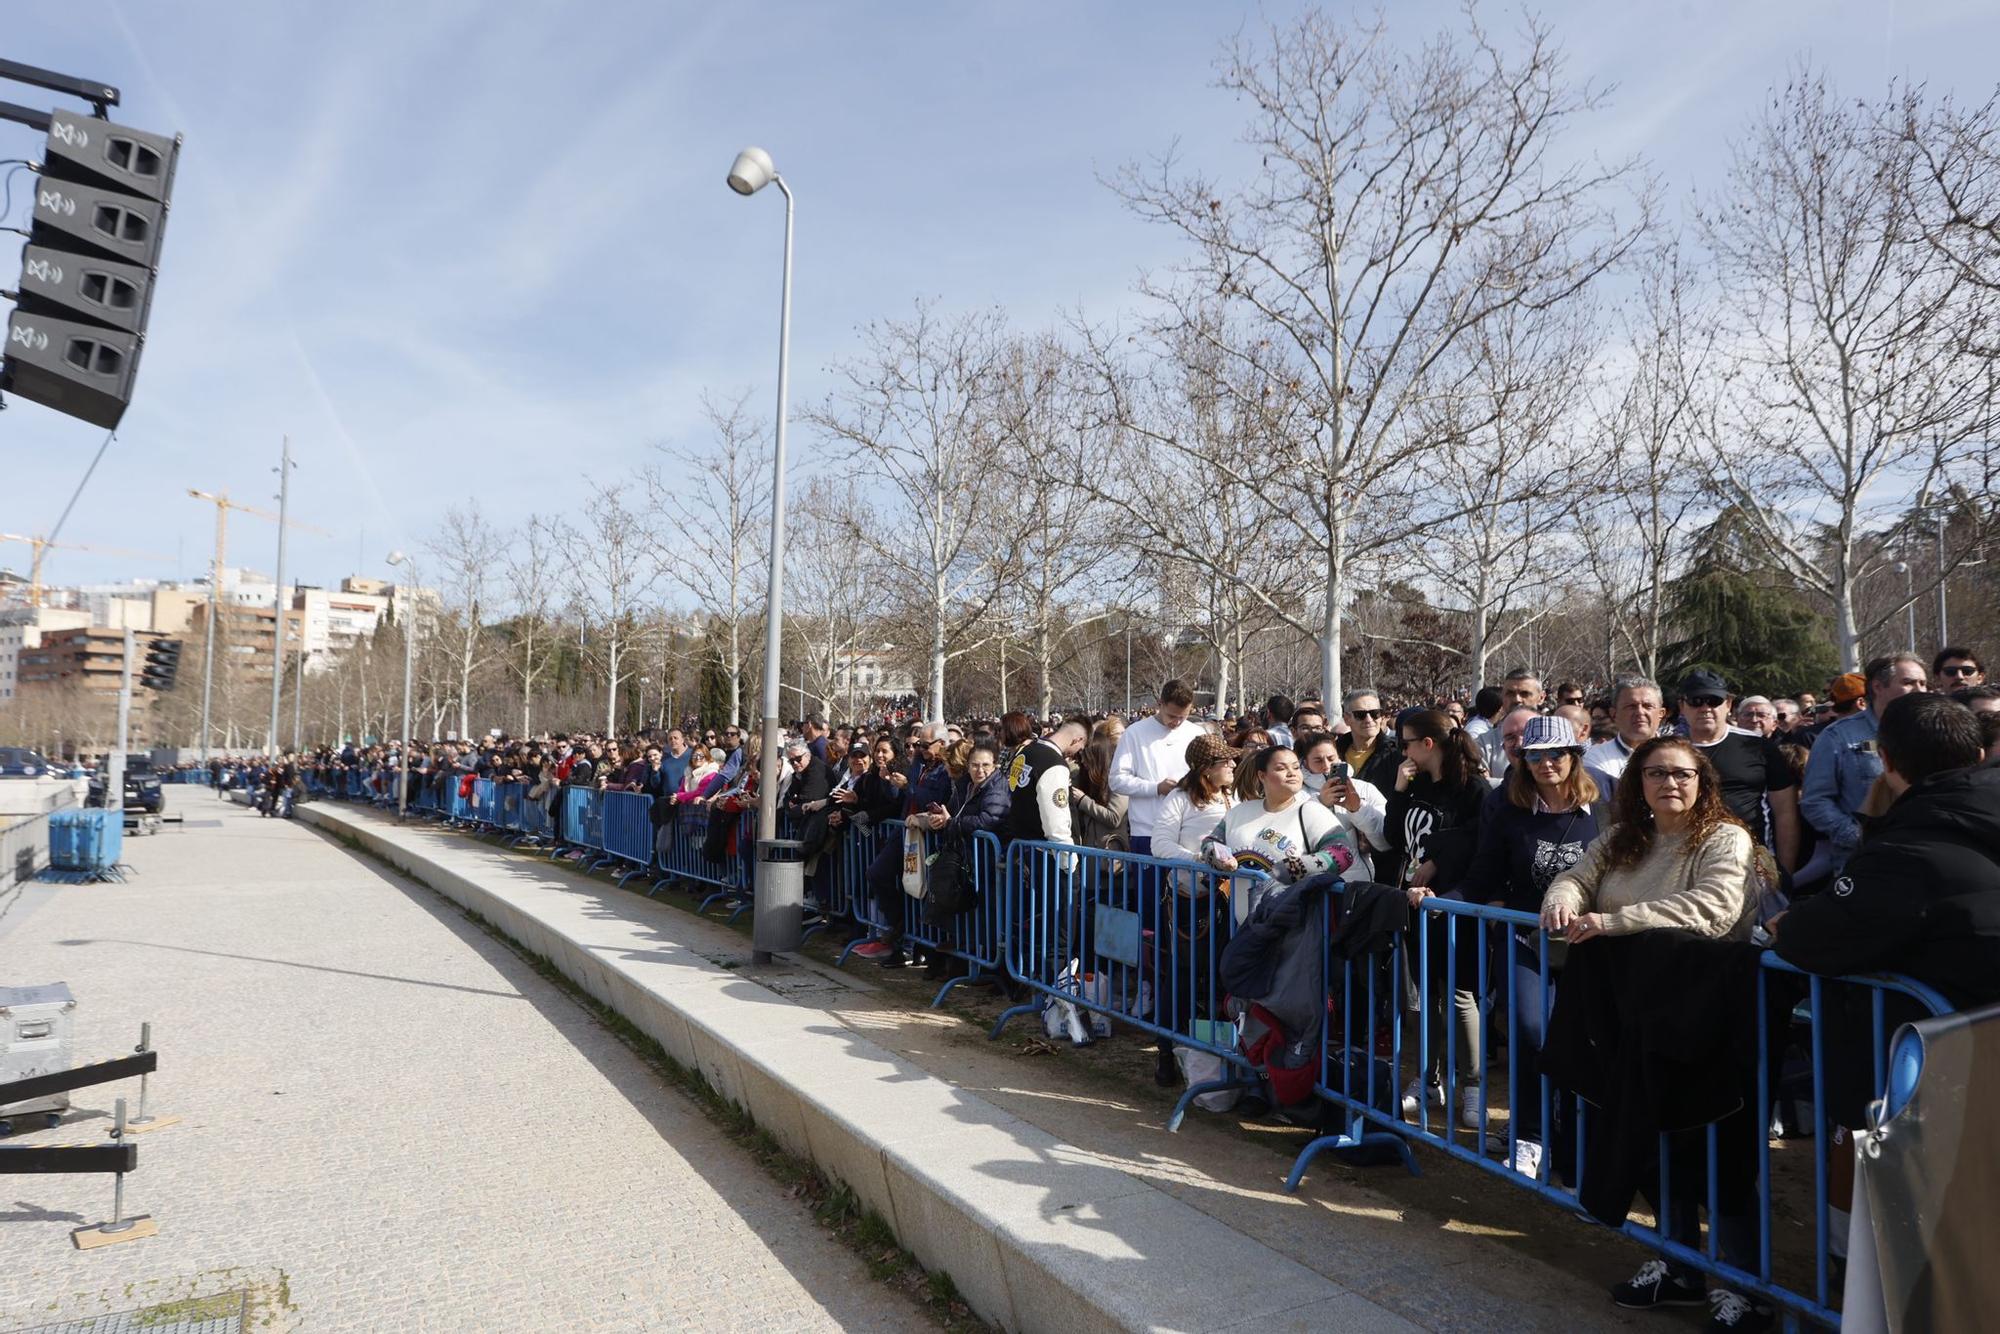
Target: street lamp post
644,681
775,926
397,558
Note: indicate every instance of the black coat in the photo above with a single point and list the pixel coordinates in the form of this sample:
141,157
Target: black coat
1437,823
1383,761
1921,897
810,784
1657,1031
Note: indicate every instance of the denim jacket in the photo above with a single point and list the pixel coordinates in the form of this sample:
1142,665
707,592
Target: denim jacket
1843,767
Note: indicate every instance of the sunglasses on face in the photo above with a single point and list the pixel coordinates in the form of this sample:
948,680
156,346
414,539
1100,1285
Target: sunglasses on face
1960,669
1366,713
1705,701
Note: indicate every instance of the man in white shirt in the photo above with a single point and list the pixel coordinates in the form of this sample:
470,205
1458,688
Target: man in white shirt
1637,710
1152,758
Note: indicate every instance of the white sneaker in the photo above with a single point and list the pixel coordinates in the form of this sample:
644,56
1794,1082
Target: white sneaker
1528,1158
1468,1106
1418,1089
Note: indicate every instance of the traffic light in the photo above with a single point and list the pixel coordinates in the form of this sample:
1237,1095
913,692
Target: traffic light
162,665
87,273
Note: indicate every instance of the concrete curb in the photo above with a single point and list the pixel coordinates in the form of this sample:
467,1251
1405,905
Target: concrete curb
1037,1234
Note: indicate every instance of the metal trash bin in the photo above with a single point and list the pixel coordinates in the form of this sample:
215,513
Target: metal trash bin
37,1037
777,923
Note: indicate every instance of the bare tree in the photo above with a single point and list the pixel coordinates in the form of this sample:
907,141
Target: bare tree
916,410
1050,444
1505,403
464,551
831,595
1854,390
1405,199
530,573
1644,503
612,575
1195,445
715,541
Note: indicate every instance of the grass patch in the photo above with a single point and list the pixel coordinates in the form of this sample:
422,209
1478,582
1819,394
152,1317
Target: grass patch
218,1306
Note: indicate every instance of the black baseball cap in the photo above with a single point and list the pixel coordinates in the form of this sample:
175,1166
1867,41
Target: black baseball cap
1704,683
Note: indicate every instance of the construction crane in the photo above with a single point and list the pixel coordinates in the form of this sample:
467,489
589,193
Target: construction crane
223,504
42,544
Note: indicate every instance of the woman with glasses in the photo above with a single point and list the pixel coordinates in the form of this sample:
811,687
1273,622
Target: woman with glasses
1676,858
1537,828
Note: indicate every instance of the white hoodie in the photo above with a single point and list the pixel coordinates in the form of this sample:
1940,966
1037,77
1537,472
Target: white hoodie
1147,753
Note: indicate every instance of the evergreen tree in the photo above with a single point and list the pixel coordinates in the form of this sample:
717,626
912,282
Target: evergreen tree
1741,618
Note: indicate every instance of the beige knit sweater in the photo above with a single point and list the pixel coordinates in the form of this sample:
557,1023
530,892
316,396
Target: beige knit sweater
1706,893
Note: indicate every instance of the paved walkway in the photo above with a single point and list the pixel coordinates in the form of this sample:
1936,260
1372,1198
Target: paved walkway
1451,1250
390,1122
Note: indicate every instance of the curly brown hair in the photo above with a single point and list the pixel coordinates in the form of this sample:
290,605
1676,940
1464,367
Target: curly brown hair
1632,827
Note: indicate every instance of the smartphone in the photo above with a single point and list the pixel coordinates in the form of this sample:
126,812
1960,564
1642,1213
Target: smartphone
1337,772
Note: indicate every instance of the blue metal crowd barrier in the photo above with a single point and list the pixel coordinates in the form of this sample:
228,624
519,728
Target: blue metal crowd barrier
581,827
1365,1056
975,936
1135,939
682,854
628,831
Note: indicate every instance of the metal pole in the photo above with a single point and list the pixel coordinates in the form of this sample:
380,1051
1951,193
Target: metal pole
114,771
409,676
145,1045
766,913
118,1223
299,697
208,640
278,597
1128,662
1910,592
1944,608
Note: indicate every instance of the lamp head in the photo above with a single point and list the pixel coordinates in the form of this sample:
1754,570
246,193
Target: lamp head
396,558
752,171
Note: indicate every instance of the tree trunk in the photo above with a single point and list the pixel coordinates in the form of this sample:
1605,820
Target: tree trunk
1336,599
1043,650
611,687
936,702
1845,634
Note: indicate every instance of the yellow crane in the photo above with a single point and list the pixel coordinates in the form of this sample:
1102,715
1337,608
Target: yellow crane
42,544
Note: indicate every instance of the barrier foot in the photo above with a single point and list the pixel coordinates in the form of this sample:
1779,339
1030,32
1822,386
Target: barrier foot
1346,1140
628,875
1195,1091
945,990
1030,1008
742,906
664,882
811,927
719,894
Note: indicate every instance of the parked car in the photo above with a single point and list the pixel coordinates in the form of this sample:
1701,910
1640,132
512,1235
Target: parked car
20,762
142,788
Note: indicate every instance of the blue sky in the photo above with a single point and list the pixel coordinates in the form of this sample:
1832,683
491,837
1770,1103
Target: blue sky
482,249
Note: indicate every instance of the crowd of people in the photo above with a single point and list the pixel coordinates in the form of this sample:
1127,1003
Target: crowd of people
1851,833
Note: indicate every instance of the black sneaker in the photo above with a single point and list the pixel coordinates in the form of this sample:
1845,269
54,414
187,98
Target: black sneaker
1654,1286
893,959
1733,1311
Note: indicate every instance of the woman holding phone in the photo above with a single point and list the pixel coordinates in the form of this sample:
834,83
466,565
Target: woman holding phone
1360,806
